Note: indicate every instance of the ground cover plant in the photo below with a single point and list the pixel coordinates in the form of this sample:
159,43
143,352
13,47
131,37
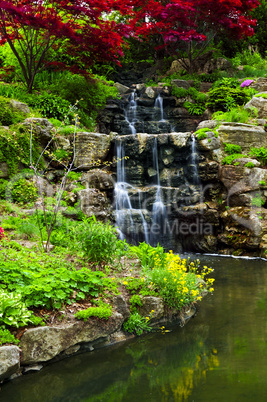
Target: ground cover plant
35,286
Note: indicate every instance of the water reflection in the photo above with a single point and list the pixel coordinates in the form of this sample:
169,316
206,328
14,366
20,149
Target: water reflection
220,355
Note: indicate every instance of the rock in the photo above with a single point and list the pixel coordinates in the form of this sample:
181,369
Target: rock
98,179
43,343
43,186
208,170
150,93
180,139
260,104
19,106
122,89
207,124
9,361
152,306
43,129
91,147
176,66
62,143
260,84
245,135
121,306
180,83
94,202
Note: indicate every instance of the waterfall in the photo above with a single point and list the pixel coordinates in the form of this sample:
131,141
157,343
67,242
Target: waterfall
159,212
130,112
125,213
194,160
159,105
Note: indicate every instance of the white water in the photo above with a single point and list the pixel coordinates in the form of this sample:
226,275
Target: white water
159,104
130,112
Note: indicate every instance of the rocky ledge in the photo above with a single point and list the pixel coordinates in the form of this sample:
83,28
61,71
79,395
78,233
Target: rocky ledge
44,344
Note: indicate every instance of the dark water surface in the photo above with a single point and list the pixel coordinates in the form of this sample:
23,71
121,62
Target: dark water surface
220,355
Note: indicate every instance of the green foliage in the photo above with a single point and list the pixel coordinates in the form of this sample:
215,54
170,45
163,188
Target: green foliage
9,115
13,311
47,281
148,255
224,98
22,191
261,183
194,108
257,201
179,92
261,95
3,185
236,114
250,165
7,337
228,160
14,147
98,240
104,311
229,82
51,106
208,77
260,154
137,324
231,149
135,300
91,95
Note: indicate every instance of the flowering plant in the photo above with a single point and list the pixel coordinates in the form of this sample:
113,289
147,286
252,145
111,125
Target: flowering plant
2,234
246,83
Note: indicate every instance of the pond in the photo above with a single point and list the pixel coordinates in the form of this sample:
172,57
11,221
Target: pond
219,355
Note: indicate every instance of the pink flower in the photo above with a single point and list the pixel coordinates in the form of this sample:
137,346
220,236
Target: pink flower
2,234
246,83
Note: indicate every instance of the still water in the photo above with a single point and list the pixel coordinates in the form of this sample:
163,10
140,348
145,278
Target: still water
219,355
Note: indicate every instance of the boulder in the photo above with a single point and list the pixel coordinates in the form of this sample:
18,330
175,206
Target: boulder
20,107
260,84
90,148
122,89
98,179
9,361
42,128
43,343
94,202
260,104
245,135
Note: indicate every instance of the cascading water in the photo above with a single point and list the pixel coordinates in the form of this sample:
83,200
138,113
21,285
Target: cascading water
194,161
125,213
159,105
130,112
159,212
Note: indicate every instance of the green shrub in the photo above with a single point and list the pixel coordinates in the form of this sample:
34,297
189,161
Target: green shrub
196,108
14,147
104,311
236,114
260,154
22,191
179,92
250,165
91,95
232,149
229,82
51,106
201,134
257,201
9,115
98,240
13,311
46,280
224,98
7,337
137,324
228,160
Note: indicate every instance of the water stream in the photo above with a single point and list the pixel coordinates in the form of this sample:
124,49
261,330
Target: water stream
220,355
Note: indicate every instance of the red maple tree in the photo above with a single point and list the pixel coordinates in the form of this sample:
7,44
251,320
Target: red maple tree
183,25
81,28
